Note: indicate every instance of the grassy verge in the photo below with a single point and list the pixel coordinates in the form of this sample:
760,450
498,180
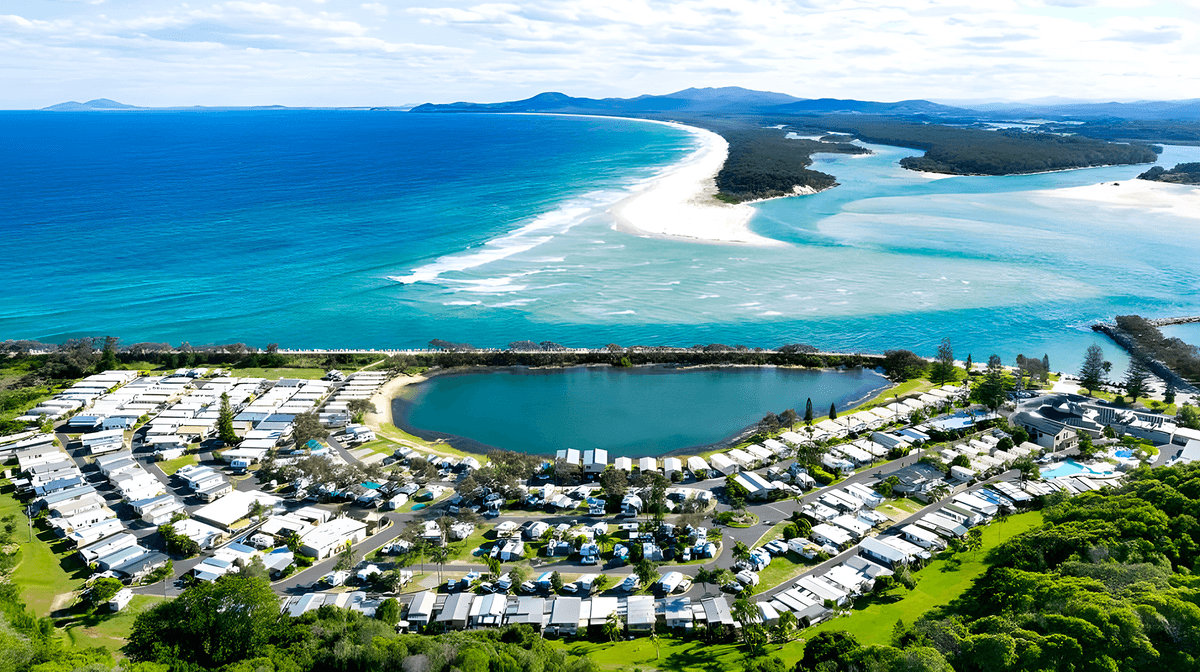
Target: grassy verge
377,446
871,621
671,653
277,373
169,467
389,431
49,572
775,531
109,630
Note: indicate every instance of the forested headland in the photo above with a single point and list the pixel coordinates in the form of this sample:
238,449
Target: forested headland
971,151
765,163
1107,583
1183,173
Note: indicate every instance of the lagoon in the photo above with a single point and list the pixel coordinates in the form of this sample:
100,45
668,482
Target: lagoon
638,412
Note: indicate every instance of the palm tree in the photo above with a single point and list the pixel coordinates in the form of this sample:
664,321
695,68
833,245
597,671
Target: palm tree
1002,515
743,612
974,541
438,556
654,641
741,552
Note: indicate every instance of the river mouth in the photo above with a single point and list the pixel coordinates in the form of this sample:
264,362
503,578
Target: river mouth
636,412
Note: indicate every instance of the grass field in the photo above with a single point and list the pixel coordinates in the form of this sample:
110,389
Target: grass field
169,467
898,509
49,573
281,372
109,630
871,622
674,654
782,569
389,431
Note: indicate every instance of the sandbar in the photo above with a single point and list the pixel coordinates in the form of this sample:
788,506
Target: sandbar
680,203
1179,200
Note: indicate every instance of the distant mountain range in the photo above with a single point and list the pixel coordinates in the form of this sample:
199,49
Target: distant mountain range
729,99
97,104
735,99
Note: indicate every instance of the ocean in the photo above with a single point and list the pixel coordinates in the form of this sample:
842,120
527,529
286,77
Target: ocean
359,229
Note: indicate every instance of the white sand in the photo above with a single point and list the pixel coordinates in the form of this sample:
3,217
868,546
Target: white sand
383,400
1180,200
680,203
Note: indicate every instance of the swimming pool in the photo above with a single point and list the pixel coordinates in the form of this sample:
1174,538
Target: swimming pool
1124,453
1069,467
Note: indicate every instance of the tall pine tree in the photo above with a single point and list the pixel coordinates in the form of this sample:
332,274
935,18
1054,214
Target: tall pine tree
225,422
1091,375
808,413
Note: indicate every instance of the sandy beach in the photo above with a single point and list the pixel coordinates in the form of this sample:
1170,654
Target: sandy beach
1179,200
680,203
383,400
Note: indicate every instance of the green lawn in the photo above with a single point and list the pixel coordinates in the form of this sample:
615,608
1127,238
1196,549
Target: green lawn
872,622
898,509
776,531
277,373
461,550
109,630
379,446
169,467
782,569
674,654
49,573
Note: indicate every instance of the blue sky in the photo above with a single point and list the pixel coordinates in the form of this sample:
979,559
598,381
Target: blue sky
333,52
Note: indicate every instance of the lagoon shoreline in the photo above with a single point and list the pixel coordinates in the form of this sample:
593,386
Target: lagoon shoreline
399,407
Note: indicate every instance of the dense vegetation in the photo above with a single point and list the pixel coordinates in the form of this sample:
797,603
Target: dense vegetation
1179,132
969,151
631,357
1149,344
1105,584
1183,173
764,163
234,624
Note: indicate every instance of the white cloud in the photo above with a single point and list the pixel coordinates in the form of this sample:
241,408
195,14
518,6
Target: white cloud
309,52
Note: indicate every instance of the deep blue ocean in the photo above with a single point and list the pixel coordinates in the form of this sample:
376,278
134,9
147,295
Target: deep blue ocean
385,229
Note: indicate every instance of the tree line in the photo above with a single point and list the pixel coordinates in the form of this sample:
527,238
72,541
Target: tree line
971,151
1106,583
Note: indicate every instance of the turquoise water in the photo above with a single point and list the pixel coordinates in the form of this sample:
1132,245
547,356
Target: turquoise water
631,412
1188,333
1069,467
357,229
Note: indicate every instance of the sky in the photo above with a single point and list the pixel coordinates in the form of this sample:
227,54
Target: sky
351,53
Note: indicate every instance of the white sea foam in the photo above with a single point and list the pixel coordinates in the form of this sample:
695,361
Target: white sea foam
538,231
510,304
623,312
770,313
461,303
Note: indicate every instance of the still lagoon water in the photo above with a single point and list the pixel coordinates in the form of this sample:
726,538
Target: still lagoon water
631,412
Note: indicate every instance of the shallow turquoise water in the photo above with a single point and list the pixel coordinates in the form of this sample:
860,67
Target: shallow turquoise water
354,229
1069,467
631,412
